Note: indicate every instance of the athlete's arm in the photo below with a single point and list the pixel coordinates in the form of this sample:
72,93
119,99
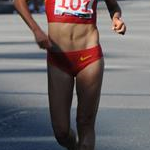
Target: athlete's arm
40,37
115,13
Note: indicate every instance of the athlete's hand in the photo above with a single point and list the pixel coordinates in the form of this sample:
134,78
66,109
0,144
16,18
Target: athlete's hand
118,25
42,39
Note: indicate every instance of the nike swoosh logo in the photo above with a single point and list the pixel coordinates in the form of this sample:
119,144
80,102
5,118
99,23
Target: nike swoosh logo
85,58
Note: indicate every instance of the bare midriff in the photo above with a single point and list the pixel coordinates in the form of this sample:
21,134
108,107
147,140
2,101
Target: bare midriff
73,37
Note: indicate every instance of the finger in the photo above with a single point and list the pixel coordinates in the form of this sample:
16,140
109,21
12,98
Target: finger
122,30
46,44
41,45
118,25
49,43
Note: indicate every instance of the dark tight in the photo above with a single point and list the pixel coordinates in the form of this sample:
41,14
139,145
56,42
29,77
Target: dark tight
60,89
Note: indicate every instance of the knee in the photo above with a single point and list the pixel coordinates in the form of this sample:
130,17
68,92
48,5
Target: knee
85,121
61,134
62,139
66,138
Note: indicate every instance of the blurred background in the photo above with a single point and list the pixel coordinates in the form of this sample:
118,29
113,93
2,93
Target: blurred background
35,6
123,120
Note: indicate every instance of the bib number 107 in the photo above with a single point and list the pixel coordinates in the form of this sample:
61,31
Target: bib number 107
77,6
74,6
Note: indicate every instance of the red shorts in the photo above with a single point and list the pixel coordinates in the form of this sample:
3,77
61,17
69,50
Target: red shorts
73,62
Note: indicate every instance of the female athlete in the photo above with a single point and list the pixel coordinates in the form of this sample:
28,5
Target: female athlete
74,55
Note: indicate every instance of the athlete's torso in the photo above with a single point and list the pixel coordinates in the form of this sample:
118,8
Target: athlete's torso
69,27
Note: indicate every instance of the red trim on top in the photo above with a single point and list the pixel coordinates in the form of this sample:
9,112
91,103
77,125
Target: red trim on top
49,6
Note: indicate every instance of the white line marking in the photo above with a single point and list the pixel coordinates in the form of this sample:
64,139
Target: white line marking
32,139
28,139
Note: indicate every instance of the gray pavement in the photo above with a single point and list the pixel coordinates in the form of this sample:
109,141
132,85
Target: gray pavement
124,113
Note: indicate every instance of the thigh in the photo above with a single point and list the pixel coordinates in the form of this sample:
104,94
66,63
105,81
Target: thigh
60,90
88,86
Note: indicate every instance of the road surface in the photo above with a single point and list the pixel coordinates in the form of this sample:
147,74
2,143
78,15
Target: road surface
123,119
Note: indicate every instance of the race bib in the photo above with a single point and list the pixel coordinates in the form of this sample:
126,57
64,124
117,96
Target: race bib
80,8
